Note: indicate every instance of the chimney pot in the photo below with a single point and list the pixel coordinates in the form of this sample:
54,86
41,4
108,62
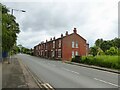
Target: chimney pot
61,35
75,31
66,33
54,38
51,39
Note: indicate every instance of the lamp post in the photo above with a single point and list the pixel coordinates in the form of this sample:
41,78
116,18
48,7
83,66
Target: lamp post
12,12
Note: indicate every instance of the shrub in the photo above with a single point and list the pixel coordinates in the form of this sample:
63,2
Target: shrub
76,59
103,61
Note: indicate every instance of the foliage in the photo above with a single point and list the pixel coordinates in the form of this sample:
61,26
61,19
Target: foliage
94,50
24,50
106,47
100,51
76,59
10,29
98,42
103,61
112,51
116,42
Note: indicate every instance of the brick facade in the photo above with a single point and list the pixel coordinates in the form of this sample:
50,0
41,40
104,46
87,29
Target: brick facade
63,48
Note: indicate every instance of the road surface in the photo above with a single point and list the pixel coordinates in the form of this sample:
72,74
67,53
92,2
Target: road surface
62,75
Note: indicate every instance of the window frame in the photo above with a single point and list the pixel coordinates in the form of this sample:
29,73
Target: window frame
73,44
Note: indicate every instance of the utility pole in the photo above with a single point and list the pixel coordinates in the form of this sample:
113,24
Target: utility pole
12,12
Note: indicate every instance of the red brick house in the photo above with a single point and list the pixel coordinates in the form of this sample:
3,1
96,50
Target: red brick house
63,48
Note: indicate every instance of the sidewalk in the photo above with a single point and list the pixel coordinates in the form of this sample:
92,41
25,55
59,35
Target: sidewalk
0,75
15,76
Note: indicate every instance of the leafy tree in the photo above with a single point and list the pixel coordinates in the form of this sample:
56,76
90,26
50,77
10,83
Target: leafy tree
116,42
94,50
100,52
112,51
10,29
98,42
105,45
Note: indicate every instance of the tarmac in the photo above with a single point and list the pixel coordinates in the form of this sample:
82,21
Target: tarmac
94,67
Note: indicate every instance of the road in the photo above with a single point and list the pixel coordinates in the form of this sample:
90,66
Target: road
62,75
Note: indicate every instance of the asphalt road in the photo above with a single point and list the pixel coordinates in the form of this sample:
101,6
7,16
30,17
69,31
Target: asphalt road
62,75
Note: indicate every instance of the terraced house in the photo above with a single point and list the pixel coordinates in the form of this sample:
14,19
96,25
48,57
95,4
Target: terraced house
64,48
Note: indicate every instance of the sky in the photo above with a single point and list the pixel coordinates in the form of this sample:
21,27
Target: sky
45,19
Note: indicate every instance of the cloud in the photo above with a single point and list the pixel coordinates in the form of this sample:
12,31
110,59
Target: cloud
44,20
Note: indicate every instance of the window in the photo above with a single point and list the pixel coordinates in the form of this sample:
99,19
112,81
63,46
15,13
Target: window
72,44
59,52
41,52
59,43
53,44
76,53
46,45
53,53
72,54
76,44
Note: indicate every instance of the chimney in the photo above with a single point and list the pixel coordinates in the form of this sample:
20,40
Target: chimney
54,38
66,33
46,40
75,31
61,35
51,39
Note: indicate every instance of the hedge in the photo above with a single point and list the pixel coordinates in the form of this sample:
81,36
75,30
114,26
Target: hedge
102,61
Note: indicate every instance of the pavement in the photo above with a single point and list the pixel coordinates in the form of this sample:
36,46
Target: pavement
62,75
15,76
0,75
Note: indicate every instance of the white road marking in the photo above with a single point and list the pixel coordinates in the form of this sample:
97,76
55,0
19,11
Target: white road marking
70,70
49,85
52,65
106,82
108,72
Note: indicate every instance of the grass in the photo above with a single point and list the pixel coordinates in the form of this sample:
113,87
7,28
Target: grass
112,62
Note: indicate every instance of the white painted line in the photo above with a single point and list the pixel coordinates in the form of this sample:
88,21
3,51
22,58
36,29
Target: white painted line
75,72
49,85
51,64
70,70
106,82
108,72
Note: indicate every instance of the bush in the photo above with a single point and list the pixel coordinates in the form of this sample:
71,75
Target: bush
103,61
76,59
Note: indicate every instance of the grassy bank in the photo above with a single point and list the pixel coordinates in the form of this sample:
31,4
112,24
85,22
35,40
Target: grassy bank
112,62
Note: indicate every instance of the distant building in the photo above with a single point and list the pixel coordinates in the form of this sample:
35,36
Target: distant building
64,48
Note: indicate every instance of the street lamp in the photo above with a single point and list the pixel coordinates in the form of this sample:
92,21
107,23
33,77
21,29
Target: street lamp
12,10
17,10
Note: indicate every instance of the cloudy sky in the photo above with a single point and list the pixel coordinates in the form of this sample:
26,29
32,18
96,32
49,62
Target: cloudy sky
45,19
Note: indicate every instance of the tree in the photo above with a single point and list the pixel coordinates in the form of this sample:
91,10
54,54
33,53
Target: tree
112,51
105,45
100,52
98,42
116,42
10,29
94,50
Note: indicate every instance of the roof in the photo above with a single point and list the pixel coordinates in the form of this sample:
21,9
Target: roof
62,37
